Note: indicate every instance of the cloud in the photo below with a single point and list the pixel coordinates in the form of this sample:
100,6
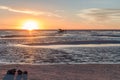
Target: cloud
36,13
98,15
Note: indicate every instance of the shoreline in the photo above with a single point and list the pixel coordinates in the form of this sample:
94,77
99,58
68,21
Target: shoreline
67,71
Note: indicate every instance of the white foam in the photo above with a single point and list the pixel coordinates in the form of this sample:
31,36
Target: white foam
73,45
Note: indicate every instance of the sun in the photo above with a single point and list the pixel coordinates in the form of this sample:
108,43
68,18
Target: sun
30,25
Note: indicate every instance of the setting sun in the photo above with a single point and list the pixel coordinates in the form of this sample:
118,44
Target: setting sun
30,25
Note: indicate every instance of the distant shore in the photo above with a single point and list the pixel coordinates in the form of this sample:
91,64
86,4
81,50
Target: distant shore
67,71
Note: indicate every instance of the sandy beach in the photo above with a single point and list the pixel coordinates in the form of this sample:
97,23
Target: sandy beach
67,71
75,55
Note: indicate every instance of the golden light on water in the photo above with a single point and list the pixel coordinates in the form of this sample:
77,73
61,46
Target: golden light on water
31,25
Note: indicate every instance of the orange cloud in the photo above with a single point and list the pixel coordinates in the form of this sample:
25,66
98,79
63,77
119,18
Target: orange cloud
36,13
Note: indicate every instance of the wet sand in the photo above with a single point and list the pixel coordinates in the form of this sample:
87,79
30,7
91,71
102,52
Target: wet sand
67,71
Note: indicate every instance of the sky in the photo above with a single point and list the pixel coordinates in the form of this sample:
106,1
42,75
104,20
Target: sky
65,14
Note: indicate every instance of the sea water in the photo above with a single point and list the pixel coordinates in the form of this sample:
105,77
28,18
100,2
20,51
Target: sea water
52,47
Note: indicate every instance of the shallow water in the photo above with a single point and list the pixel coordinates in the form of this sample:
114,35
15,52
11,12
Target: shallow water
59,48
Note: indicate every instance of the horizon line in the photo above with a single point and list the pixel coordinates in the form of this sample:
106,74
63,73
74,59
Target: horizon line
63,29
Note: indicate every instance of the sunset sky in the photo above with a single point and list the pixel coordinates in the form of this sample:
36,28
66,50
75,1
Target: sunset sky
65,14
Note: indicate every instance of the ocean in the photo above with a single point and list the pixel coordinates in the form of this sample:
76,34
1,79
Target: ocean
53,47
